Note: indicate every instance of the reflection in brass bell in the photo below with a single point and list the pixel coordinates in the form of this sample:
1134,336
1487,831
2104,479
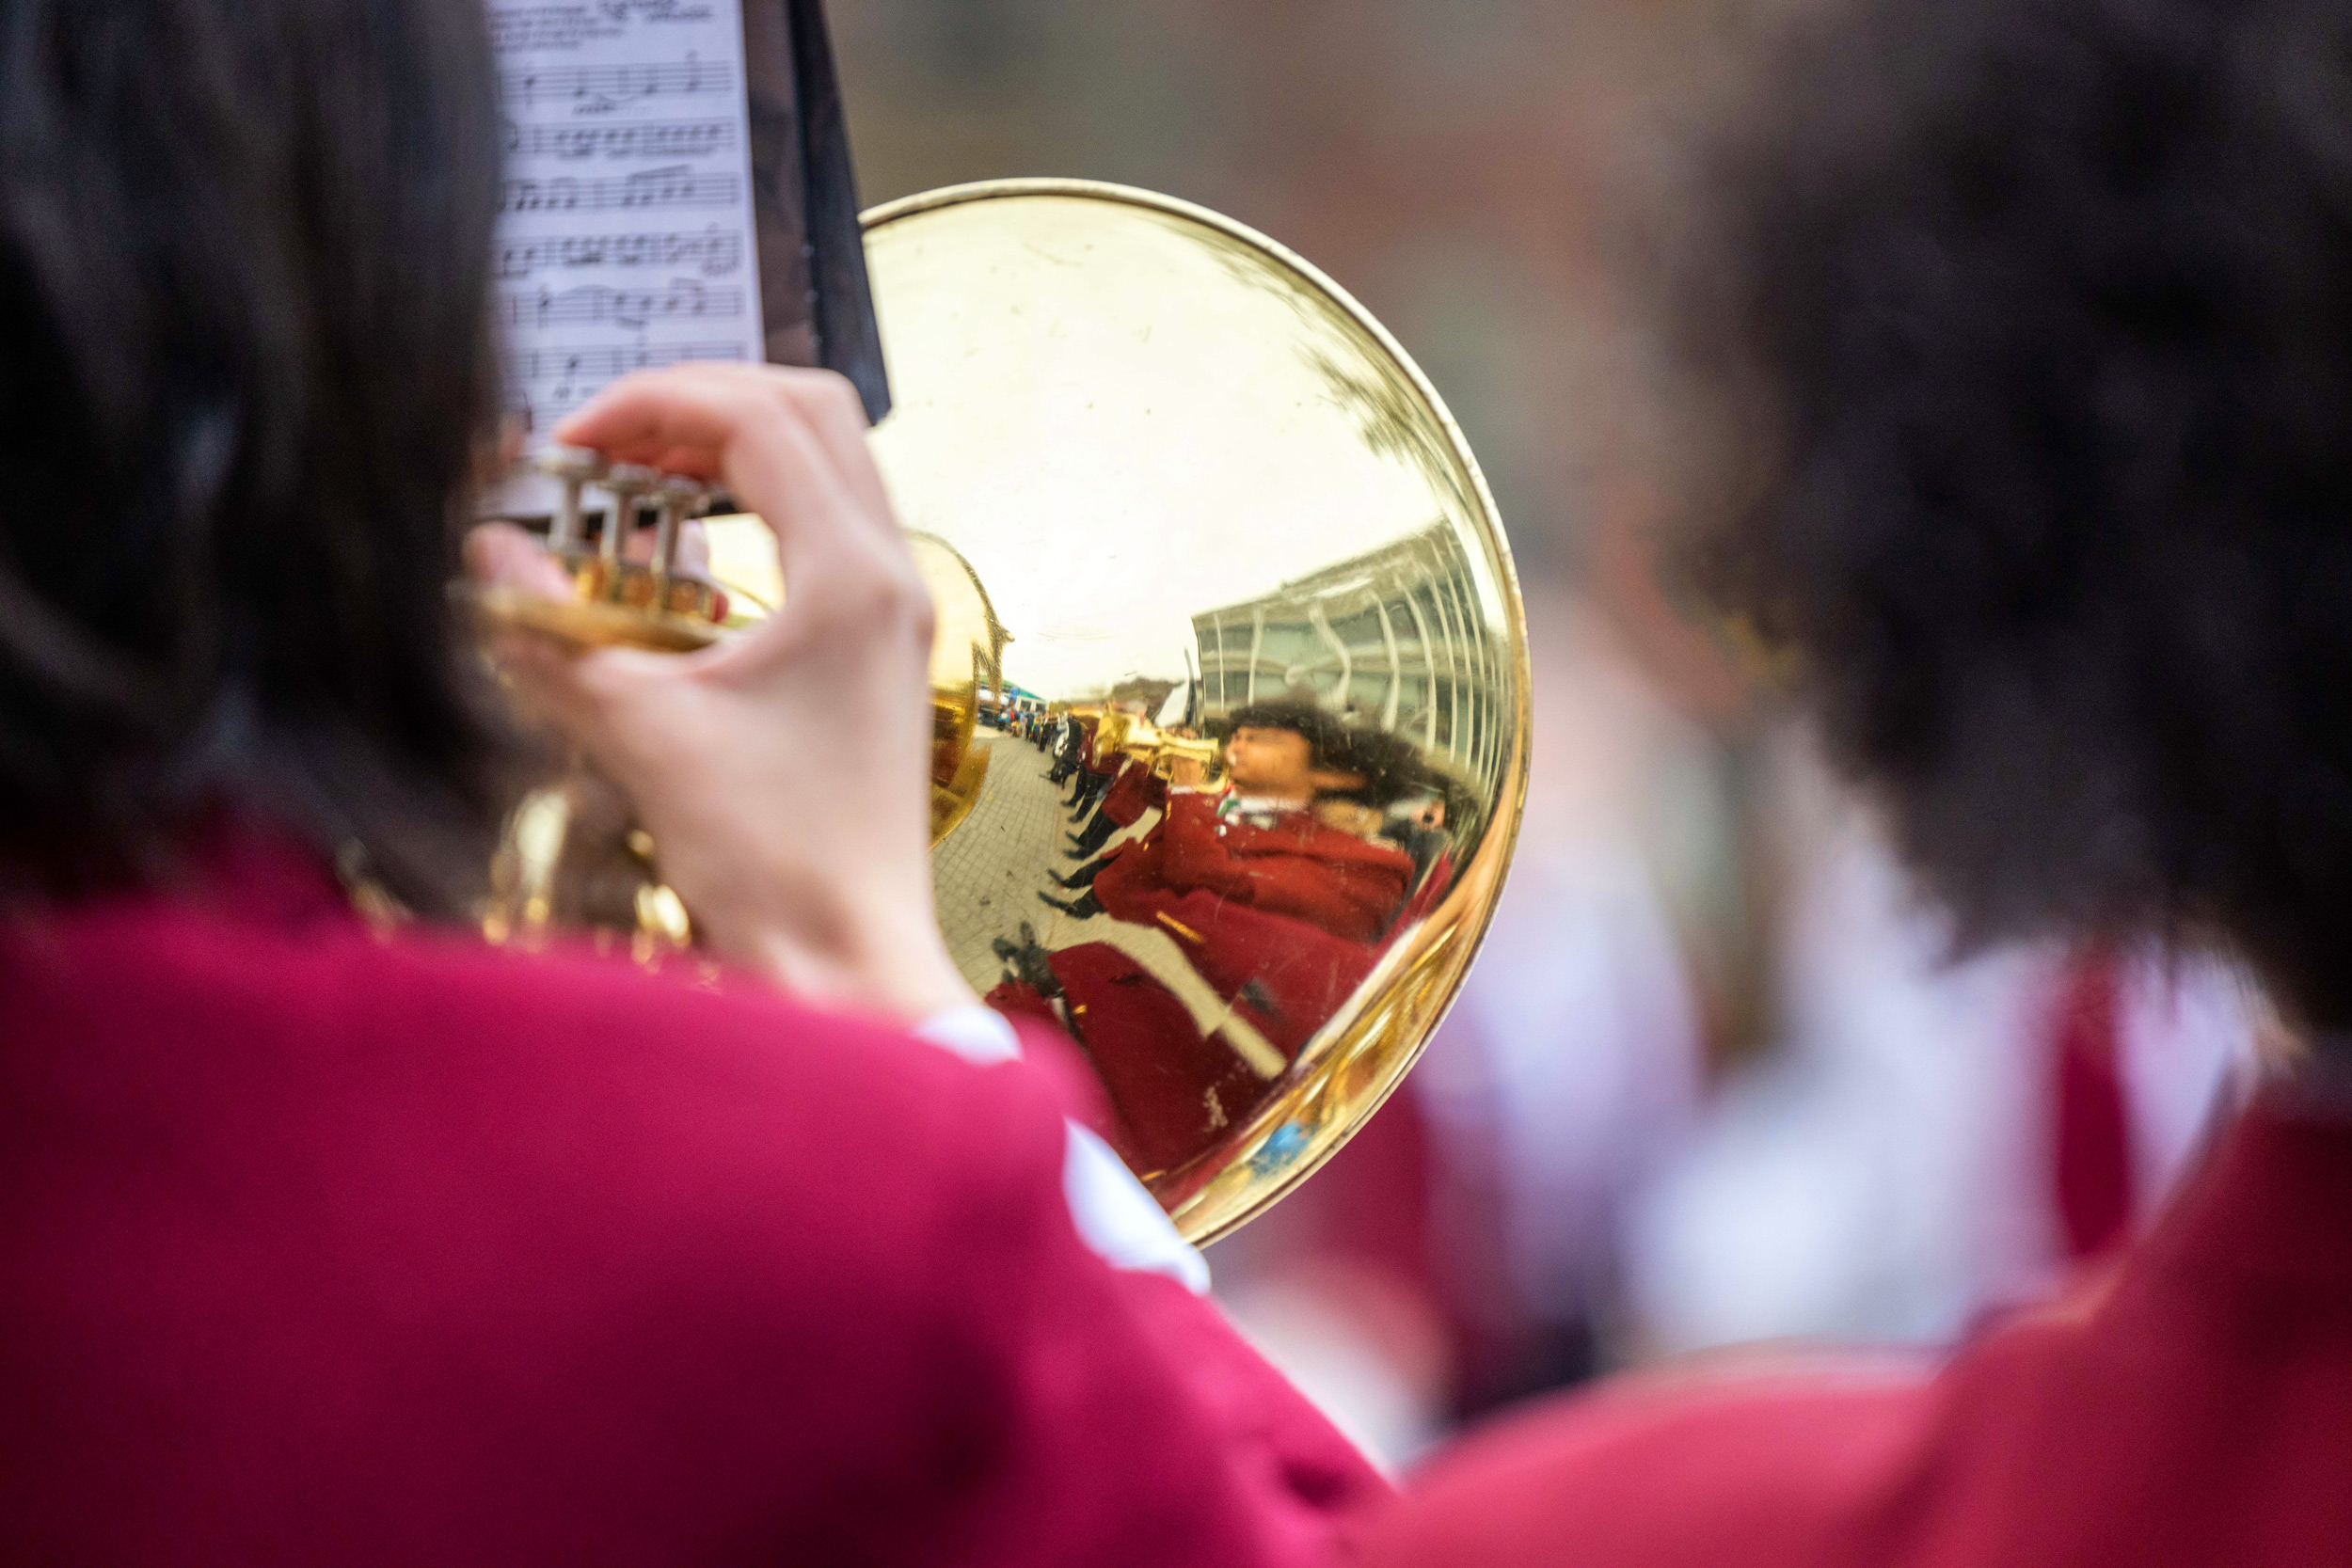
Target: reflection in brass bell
1229,690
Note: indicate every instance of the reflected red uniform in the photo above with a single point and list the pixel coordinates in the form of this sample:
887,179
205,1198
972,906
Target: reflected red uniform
1291,865
1281,918
1138,790
1435,884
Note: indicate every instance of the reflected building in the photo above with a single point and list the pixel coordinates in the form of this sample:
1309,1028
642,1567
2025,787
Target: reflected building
1393,638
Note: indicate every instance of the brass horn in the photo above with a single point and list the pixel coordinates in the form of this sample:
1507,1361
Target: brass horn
1163,476
1159,750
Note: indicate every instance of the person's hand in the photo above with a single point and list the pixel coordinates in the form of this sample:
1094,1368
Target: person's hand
785,773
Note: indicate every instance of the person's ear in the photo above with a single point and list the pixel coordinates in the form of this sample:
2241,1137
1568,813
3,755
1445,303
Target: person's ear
1328,781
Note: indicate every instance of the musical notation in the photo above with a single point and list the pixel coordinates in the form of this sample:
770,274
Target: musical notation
714,252
679,186
628,237
616,83
552,382
593,302
649,139
606,362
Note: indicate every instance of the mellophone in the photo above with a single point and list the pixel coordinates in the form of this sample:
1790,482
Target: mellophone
1158,470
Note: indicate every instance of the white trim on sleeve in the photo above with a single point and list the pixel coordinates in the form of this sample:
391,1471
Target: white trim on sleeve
981,1035
1122,1222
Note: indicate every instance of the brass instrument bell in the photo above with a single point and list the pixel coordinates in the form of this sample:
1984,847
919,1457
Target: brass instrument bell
1149,457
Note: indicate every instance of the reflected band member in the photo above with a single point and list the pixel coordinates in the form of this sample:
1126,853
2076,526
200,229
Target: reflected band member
1136,791
1259,842
1280,914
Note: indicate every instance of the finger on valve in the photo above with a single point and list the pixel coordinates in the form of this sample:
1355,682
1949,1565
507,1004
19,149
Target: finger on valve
791,447
696,419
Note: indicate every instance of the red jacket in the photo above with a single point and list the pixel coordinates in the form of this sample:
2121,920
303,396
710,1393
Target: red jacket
1137,791
1281,921
1435,884
322,1249
1285,976
1335,881
2194,1408
1174,1091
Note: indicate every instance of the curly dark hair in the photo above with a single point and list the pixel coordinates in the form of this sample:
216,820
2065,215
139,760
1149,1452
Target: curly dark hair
2041,311
1389,764
1325,732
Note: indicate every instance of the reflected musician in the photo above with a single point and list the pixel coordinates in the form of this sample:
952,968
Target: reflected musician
1099,762
1138,787
1220,940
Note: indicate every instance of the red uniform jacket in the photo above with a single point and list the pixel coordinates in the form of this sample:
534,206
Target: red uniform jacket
2193,1408
1435,884
1175,1092
321,1249
1281,921
1335,881
1138,790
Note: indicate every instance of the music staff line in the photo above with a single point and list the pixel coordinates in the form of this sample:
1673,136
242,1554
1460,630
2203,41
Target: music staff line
596,302
652,138
714,252
678,186
577,368
617,82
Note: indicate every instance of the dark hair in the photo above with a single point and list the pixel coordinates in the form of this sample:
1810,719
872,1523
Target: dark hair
1323,733
244,252
1389,764
2046,310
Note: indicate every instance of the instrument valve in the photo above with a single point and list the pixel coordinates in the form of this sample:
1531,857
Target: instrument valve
628,483
574,467
678,499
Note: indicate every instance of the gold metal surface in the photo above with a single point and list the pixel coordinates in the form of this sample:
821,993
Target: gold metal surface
1196,477
1213,567
559,866
594,623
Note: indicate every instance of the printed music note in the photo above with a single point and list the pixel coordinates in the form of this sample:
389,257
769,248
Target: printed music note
546,307
677,185
714,251
626,237
687,78
683,138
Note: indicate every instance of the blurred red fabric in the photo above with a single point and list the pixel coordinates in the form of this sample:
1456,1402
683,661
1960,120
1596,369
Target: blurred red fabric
2094,1149
322,1248
2185,1406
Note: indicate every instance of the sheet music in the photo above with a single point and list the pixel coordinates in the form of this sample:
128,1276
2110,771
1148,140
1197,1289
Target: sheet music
626,238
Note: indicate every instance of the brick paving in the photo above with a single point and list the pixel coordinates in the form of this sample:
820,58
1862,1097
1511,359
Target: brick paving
990,870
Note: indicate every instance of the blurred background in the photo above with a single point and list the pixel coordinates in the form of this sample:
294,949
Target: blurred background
1718,1078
